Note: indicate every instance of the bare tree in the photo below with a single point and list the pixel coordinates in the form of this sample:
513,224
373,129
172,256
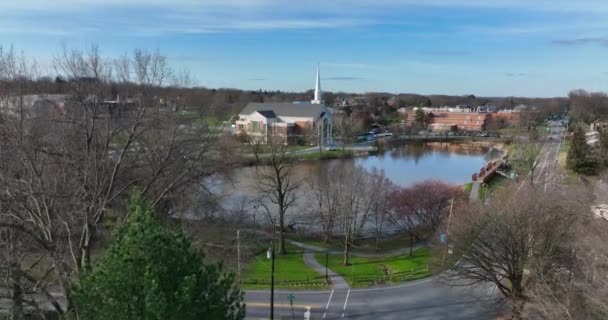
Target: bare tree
512,241
380,211
277,184
420,208
72,168
327,205
349,195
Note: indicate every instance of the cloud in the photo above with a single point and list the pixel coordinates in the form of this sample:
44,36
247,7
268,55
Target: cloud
446,52
355,65
256,79
601,41
518,74
342,78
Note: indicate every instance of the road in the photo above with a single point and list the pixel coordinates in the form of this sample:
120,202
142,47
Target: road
424,299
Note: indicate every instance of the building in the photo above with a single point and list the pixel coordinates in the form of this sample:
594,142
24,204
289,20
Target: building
450,119
510,117
293,122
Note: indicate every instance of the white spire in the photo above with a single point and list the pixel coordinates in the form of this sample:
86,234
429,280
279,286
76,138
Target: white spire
318,93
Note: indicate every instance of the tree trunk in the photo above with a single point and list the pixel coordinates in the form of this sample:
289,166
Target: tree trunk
346,250
411,244
16,312
282,250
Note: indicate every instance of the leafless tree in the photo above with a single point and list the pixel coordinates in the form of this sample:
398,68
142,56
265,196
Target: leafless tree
327,205
380,211
420,208
348,196
512,241
277,184
72,168
347,124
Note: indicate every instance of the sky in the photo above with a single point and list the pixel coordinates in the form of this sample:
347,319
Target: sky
534,48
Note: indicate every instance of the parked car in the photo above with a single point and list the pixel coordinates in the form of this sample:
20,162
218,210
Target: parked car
331,147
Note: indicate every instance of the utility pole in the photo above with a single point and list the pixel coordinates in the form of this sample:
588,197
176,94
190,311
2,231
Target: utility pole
447,232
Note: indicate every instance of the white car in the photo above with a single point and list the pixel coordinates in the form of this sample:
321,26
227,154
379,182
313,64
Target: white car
331,147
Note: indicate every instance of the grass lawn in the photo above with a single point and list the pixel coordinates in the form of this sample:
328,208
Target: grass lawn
397,241
290,272
496,182
328,155
467,188
367,271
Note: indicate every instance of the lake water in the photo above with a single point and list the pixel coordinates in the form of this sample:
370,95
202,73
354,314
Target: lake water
403,164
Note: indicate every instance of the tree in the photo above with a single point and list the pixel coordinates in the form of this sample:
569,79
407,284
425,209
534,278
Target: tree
151,273
419,209
420,117
380,203
526,159
277,184
72,160
579,155
511,241
347,124
588,106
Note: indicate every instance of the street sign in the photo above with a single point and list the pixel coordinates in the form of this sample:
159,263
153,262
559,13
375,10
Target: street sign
442,238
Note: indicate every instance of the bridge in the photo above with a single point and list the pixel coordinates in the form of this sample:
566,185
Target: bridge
485,174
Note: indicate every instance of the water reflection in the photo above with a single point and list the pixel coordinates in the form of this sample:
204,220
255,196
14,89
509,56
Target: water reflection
403,164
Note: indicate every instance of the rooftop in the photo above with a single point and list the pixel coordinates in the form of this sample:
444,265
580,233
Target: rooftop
286,109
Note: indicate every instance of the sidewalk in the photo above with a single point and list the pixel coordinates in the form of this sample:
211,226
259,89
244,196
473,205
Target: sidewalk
336,280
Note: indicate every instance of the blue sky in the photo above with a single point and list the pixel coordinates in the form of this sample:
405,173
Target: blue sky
482,47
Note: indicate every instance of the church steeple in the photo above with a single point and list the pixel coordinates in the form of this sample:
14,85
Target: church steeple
318,93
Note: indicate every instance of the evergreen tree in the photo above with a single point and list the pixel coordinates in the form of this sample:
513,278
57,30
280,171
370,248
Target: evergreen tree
579,156
152,273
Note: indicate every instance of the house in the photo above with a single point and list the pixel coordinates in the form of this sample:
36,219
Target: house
292,122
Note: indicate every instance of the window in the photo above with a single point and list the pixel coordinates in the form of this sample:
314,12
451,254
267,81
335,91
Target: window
241,127
256,126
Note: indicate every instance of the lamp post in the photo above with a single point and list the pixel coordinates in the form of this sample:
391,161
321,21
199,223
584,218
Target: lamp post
270,255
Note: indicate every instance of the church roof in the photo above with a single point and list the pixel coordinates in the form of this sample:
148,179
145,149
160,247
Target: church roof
269,114
286,109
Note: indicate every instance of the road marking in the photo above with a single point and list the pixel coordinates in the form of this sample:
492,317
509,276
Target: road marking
328,302
345,303
283,305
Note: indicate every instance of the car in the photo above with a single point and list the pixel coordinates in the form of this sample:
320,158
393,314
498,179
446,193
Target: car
331,147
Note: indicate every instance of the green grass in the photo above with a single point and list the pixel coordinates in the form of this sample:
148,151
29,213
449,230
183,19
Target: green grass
290,272
337,154
494,183
368,271
467,188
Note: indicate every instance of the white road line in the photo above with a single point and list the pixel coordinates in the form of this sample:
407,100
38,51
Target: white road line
345,303
328,302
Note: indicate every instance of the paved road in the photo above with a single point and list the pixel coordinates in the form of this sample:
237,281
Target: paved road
424,299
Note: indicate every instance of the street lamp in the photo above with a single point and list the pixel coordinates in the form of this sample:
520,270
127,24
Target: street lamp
270,255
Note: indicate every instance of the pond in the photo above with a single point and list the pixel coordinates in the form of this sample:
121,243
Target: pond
403,164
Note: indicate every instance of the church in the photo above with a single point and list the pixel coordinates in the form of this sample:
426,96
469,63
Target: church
291,122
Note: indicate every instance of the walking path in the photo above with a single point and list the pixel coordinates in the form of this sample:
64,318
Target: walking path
474,195
335,279
355,253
